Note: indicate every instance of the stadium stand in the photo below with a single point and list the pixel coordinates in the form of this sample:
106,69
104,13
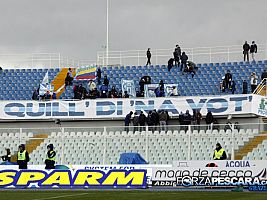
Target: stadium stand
188,86
81,146
18,84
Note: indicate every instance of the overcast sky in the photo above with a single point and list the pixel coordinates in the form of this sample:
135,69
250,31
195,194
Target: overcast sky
77,28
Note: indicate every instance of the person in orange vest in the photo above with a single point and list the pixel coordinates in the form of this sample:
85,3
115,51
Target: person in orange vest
219,153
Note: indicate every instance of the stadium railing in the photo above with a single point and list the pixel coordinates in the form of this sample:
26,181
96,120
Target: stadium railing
161,56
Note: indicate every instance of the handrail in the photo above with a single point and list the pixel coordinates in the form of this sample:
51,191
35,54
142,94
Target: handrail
261,86
196,54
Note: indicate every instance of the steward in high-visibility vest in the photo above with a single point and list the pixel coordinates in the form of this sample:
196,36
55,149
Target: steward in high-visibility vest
23,157
219,153
50,157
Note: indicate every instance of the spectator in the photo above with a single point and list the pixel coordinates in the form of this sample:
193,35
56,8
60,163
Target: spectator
7,157
233,87
106,81
168,117
113,93
35,95
68,80
150,122
155,119
163,120
135,121
245,87
176,58
237,126
228,79
191,68
253,50
142,121
181,118
184,59
93,94
70,72
127,121
174,91
104,91
178,50
187,119
91,85
148,55
246,49
54,96
126,95
209,119
1,70
170,64
219,153
161,85
253,82
222,85
47,95
142,85
98,74
197,117
263,75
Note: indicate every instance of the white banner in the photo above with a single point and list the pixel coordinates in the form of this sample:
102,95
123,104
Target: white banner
128,85
119,108
212,173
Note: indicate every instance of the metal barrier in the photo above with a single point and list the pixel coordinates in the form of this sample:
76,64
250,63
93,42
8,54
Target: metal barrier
40,60
161,56
157,144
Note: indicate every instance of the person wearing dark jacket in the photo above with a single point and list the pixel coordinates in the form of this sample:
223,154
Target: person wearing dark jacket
219,153
246,49
106,81
127,121
7,157
142,121
170,64
98,74
228,79
50,157
209,118
23,157
148,55
176,58
35,95
135,121
184,59
253,50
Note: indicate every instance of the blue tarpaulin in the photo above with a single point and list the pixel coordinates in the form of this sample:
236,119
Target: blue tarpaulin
8,163
131,158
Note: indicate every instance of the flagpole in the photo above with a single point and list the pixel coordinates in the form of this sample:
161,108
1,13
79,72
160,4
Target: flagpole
107,39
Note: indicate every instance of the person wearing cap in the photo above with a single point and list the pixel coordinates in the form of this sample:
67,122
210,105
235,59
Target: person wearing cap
50,157
219,153
23,157
7,157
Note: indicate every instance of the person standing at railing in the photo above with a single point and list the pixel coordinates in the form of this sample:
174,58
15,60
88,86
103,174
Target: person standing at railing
148,55
253,50
177,55
127,121
246,49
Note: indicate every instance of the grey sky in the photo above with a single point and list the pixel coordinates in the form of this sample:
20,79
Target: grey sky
77,28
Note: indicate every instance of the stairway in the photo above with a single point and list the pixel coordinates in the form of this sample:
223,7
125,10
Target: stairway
59,80
32,144
253,143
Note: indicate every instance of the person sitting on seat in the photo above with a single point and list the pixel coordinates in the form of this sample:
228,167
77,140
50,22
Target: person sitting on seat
7,157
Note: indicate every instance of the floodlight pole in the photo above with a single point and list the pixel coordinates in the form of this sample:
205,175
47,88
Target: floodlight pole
107,47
